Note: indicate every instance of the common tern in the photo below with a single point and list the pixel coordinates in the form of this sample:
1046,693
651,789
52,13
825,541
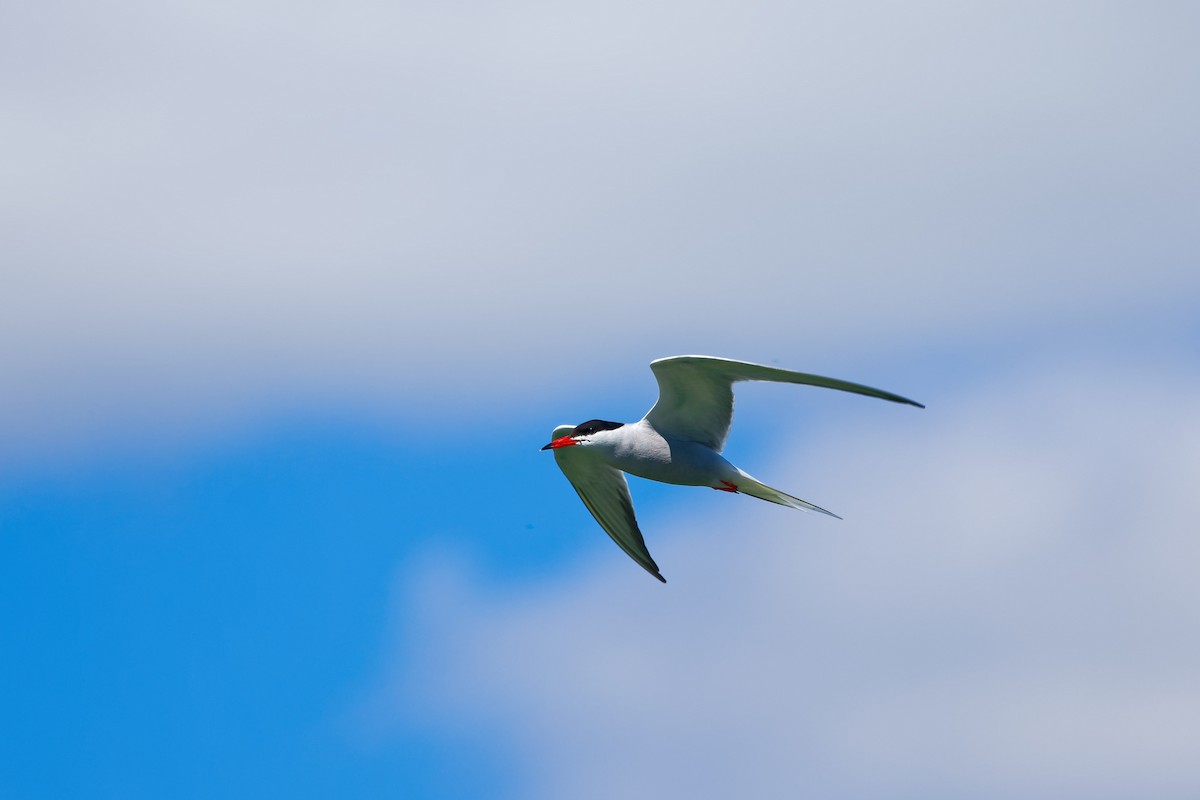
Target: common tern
679,441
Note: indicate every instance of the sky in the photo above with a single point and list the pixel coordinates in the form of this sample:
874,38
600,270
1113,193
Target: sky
291,295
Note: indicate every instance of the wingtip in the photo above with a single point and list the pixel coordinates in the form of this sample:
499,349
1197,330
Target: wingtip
652,568
899,398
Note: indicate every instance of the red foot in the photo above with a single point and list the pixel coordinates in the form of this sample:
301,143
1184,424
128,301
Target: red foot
728,487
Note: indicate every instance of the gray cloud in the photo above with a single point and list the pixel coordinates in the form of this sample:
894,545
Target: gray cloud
219,206
1008,610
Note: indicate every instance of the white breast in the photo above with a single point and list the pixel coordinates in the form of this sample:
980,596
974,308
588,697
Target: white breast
641,450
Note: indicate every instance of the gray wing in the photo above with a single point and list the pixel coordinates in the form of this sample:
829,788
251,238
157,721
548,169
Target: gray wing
605,492
695,394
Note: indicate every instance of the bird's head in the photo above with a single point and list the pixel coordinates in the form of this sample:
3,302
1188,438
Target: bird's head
592,431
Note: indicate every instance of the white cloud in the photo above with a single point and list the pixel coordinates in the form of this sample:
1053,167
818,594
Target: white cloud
1008,610
217,206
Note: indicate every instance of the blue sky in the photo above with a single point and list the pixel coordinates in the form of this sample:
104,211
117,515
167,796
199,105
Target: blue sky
292,295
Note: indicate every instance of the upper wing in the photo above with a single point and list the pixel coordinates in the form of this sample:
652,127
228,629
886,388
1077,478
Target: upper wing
695,394
604,491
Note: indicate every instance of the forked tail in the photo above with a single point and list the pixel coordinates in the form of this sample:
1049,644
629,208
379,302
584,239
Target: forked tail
748,485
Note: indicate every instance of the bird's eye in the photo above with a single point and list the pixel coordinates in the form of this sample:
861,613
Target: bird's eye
595,426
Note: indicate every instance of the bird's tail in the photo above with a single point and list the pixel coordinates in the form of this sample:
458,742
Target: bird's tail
754,488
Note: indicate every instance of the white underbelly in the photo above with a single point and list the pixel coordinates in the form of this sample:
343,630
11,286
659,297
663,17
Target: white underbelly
684,463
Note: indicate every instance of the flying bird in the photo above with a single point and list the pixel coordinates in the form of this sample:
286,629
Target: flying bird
679,441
